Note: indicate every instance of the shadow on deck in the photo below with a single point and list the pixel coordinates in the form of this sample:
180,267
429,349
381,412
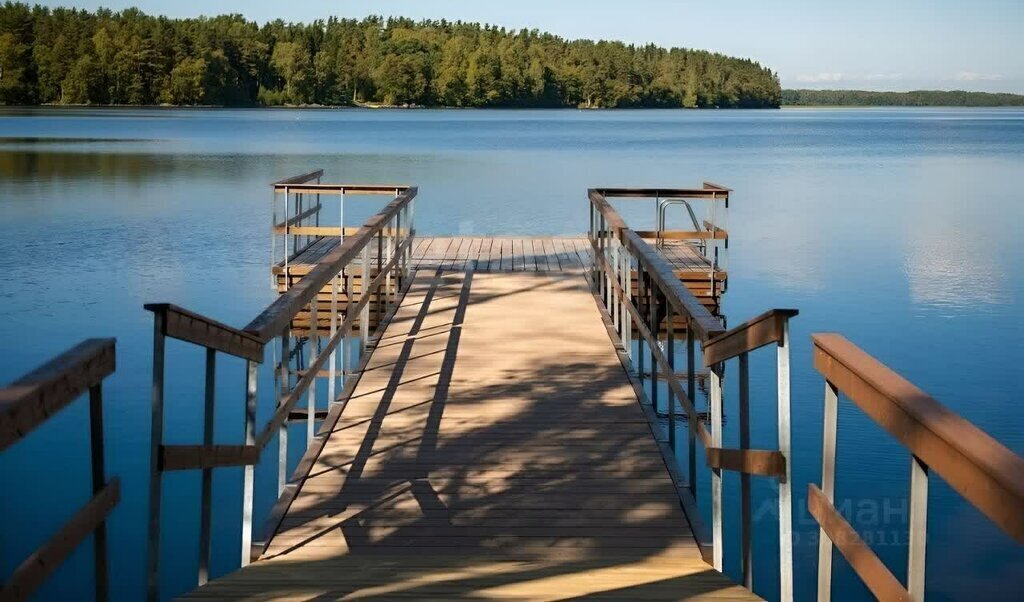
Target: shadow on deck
494,447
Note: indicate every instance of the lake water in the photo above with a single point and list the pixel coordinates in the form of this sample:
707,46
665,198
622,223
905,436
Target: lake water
899,228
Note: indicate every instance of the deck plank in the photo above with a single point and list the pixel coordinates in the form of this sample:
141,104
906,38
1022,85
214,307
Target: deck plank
495,448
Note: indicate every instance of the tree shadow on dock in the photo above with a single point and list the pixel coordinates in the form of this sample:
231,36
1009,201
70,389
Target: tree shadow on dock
489,470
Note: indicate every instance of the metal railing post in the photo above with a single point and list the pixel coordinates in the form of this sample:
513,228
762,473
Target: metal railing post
99,479
918,528
652,315
641,286
691,391
627,329
284,238
333,360
716,473
613,310
205,504
313,340
364,290
828,484
282,431
670,345
746,548
248,472
786,481
155,473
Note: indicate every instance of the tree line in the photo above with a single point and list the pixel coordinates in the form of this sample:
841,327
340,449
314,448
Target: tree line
917,98
70,56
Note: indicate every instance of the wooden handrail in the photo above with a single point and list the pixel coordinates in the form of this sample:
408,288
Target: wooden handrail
272,320
300,179
706,193
189,326
755,333
716,187
871,570
28,402
982,470
296,219
248,343
622,257
347,189
35,569
704,324
32,399
717,234
287,403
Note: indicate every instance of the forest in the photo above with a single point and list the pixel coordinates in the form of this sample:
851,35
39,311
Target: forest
917,98
75,57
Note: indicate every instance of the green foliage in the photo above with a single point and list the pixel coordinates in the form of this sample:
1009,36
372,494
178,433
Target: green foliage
917,98
76,57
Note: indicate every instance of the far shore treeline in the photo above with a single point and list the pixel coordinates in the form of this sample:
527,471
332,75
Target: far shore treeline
916,98
68,56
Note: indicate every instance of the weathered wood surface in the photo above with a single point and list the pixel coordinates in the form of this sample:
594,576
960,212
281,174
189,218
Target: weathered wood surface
495,254
493,448
517,254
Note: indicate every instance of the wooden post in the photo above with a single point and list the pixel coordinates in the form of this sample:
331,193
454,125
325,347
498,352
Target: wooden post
251,374
746,549
98,482
205,504
828,484
155,473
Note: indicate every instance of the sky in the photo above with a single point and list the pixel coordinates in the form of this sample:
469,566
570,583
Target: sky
864,44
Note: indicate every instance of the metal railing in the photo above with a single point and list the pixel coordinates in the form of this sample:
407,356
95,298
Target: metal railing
659,301
294,317
987,474
29,402
709,236
300,226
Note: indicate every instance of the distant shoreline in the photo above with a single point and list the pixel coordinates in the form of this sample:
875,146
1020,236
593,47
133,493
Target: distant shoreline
170,107
913,98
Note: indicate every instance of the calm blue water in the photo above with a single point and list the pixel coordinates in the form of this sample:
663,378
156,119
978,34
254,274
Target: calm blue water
898,228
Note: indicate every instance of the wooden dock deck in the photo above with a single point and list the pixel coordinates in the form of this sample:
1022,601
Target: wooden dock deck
518,254
468,464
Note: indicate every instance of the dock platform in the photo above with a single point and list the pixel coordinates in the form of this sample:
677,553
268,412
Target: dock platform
494,447
518,254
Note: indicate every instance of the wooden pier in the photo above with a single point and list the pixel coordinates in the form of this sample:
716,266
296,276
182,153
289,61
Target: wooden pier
504,417
493,447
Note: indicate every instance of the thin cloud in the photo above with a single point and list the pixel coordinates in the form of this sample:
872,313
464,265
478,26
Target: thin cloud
973,76
831,77
883,77
820,77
